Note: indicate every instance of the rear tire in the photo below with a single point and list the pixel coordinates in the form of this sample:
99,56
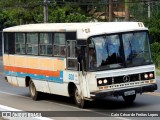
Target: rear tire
129,99
33,92
79,100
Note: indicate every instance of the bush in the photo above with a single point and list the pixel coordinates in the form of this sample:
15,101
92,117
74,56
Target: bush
155,48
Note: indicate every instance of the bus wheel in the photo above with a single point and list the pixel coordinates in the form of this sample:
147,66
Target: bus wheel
33,92
129,99
80,102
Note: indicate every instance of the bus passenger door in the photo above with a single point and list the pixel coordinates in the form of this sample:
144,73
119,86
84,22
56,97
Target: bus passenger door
81,52
74,67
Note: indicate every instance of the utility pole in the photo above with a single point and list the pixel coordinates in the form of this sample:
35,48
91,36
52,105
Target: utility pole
127,16
45,11
149,8
20,19
105,11
110,11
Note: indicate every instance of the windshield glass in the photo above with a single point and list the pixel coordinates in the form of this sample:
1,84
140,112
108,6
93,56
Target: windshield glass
119,50
106,52
136,48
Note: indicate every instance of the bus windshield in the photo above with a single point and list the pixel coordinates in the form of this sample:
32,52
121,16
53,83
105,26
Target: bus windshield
119,50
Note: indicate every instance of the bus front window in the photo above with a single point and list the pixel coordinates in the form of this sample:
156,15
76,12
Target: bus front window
136,48
119,50
104,52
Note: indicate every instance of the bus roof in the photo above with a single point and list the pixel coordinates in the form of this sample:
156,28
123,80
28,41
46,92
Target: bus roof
84,30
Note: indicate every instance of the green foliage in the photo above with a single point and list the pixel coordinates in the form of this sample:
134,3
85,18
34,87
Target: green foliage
15,12
68,14
140,13
155,47
6,19
154,27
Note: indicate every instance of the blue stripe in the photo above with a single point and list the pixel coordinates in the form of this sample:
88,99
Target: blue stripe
38,77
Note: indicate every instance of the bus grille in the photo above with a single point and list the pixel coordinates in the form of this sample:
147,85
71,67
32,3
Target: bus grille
125,78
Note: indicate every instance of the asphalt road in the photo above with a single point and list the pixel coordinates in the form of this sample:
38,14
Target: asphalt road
59,107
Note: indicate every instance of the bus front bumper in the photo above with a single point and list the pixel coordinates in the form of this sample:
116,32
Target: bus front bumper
120,92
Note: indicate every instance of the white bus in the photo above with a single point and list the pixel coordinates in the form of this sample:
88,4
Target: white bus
86,61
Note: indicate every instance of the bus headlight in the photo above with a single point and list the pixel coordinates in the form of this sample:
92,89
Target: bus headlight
105,81
151,75
99,82
146,76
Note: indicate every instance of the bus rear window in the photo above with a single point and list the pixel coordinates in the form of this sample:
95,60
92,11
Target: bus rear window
9,43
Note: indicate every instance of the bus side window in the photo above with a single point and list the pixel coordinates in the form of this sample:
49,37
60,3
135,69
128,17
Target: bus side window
45,44
59,48
71,55
32,43
63,51
20,43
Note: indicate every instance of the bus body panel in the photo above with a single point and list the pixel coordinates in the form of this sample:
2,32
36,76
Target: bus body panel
41,85
133,82
127,71
60,89
9,79
54,79
21,82
51,72
79,80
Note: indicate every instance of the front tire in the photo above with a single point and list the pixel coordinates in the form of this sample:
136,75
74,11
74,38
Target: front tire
33,92
79,100
129,99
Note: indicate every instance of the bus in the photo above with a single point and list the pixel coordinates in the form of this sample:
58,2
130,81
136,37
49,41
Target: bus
85,61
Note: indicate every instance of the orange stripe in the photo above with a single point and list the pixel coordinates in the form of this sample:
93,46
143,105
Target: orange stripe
33,71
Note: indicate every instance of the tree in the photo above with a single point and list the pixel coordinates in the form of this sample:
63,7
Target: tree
6,20
155,47
21,11
16,12
68,14
154,24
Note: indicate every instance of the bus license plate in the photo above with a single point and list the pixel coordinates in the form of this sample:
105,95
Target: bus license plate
132,92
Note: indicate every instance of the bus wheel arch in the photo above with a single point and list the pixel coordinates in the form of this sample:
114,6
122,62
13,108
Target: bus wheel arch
78,98
27,79
71,88
34,94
